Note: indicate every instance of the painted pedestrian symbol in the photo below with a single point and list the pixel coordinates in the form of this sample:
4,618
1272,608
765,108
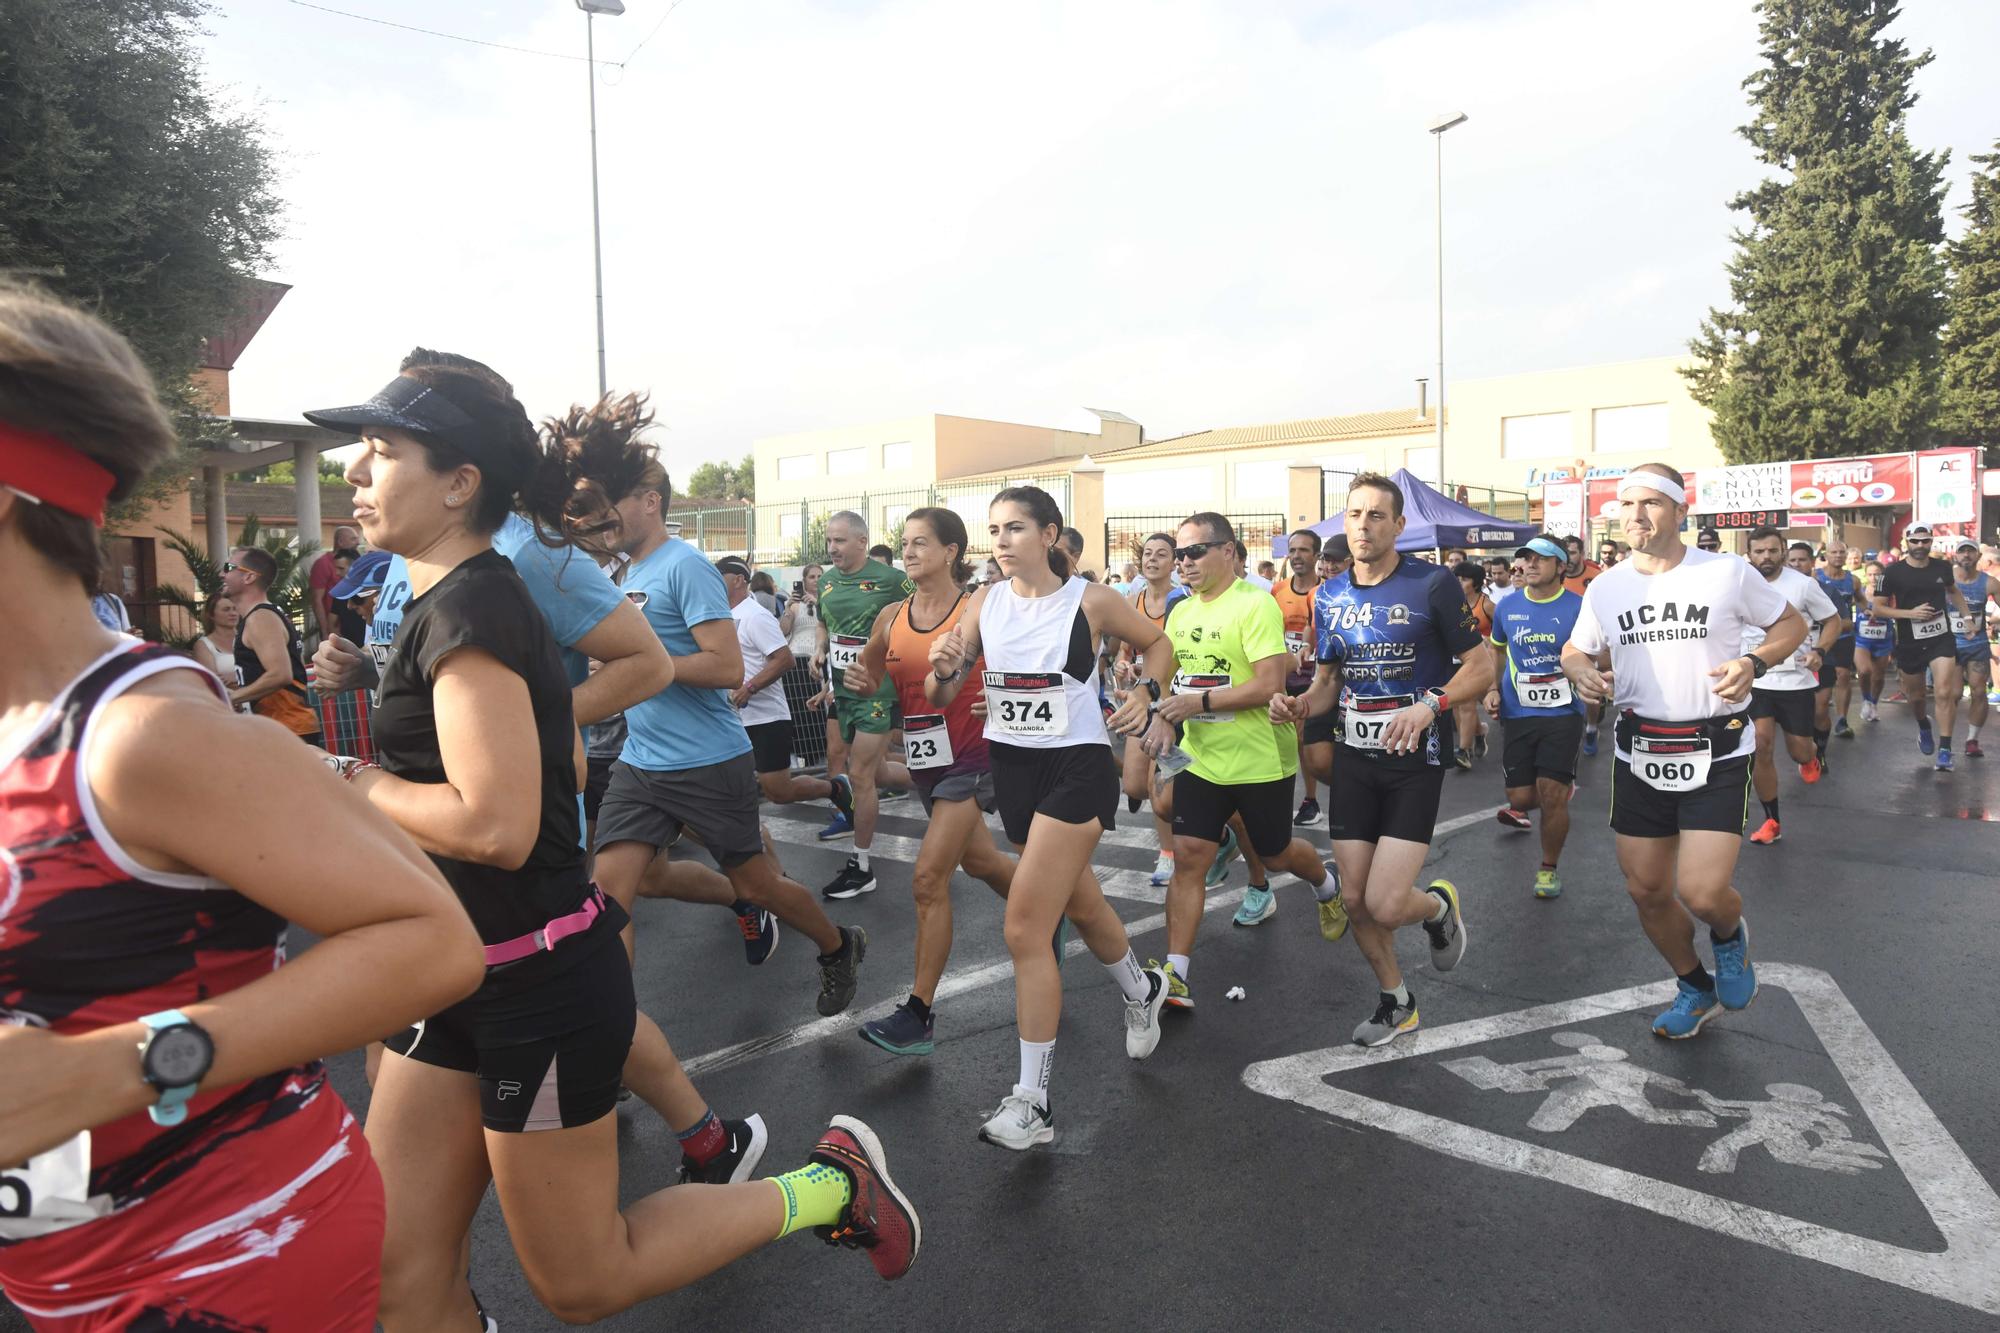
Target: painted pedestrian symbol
1797,1126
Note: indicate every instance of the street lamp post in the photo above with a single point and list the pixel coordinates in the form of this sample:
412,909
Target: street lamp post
591,9
1437,129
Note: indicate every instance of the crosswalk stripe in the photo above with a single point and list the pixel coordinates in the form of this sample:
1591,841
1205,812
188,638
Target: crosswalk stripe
1135,885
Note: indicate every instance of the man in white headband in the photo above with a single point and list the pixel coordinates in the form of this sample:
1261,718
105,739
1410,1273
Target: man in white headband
1671,621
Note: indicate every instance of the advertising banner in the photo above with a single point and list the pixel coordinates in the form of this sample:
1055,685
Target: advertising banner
1948,486
1853,483
1562,508
1749,488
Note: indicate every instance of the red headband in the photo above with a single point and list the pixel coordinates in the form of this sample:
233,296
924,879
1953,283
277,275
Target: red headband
48,471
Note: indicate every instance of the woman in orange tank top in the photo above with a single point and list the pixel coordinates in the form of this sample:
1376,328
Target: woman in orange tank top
947,758
1149,594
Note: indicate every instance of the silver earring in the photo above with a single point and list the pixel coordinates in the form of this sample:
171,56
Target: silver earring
451,500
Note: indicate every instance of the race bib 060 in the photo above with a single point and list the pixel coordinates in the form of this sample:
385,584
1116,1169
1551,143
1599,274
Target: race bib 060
1027,703
926,741
1366,718
50,1192
1671,763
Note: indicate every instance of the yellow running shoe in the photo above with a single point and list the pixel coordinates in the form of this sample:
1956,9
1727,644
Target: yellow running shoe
1178,995
1332,911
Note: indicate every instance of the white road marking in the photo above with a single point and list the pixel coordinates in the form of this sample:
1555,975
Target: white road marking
1962,1205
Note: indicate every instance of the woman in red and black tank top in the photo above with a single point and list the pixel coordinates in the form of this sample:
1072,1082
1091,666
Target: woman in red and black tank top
946,754
153,845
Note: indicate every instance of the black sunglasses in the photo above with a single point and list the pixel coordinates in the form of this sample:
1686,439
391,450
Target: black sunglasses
230,566
1194,552
1916,541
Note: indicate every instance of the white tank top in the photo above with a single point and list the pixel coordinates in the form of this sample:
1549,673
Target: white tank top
1041,689
805,631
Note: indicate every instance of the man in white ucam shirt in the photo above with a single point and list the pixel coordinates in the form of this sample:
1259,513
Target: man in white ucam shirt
1673,620
1784,697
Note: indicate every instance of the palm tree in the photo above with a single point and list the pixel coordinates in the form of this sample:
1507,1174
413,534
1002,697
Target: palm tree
288,589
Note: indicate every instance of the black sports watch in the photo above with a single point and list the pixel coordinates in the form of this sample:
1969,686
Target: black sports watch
1152,685
1758,666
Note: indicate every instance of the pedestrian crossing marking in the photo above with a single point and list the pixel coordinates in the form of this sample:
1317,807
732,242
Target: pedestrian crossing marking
1961,1204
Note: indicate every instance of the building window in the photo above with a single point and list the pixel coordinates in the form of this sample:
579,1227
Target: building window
795,467
892,518
840,462
1423,462
1640,429
788,528
1544,435
895,456
1259,483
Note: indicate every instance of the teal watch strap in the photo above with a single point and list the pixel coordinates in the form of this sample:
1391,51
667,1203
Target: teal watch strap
171,1108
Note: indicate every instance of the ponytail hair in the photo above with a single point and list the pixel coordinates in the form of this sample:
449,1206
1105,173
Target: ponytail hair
596,459
949,528
1043,509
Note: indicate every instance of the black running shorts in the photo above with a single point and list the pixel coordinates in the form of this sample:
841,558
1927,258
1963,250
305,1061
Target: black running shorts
1322,730
1202,810
1793,709
597,779
1639,810
1541,747
1073,783
716,802
771,746
1914,658
1368,800
550,1055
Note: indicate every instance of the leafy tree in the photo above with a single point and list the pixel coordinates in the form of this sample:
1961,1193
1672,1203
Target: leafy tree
127,188
811,549
332,472
1831,344
1971,412
724,481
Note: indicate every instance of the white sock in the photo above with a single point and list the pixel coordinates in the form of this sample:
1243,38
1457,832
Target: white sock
1971,732
1443,907
1131,978
1402,994
1326,890
1037,1058
861,857
1179,963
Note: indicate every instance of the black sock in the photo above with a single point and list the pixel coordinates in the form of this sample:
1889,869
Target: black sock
1771,810
1717,939
918,1007
1699,978
1548,865
1820,735
846,947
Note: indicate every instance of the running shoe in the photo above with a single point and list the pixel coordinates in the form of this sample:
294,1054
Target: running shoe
837,974
1142,1017
1811,769
1219,871
1590,741
1735,978
1132,804
1463,759
1691,1008
1020,1123
737,1161
1944,759
1842,730
1163,870
1868,711
760,931
1178,995
1513,818
1972,750
902,1032
1258,905
1767,833
838,827
842,798
879,1219
888,794
1061,940
1925,742
851,882
1447,935
1332,911
1391,1020
1548,884
1308,815
1479,745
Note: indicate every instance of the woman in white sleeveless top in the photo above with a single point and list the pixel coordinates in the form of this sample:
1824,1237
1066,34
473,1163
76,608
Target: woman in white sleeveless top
1053,775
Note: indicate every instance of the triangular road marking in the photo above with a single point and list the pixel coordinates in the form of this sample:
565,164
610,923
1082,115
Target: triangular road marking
1961,1204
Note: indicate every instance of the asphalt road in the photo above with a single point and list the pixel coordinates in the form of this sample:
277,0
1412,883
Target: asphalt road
1258,1172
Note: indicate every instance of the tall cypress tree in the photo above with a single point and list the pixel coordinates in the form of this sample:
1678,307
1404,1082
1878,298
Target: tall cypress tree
1971,412
1831,344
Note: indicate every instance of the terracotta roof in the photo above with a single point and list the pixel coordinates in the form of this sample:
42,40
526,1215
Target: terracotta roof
1310,430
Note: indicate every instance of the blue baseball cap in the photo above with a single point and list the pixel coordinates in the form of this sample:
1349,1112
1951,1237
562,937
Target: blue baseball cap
1544,547
365,575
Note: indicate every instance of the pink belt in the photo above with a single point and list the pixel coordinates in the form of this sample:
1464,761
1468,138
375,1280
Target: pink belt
550,935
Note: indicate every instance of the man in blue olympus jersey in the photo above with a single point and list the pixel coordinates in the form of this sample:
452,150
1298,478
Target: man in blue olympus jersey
1542,716
1388,630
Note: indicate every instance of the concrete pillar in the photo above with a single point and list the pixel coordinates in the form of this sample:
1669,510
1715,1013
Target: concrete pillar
1305,495
1086,511
215,514
305,485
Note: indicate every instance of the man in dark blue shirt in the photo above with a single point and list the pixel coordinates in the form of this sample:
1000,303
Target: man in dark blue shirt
1388,630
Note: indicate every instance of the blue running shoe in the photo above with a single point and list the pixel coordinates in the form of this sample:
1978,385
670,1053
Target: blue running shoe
1258,904
843,795
838,827
1735,978
1590,740
902,1032
1924,741
1944,759
1219,872
1691,1008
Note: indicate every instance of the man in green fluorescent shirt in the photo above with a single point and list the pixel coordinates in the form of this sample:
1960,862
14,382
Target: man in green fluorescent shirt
1229,646
851,594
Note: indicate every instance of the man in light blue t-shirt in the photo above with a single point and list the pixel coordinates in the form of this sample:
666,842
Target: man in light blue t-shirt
687,762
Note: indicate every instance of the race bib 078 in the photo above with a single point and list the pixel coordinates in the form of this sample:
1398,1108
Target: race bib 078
1550,691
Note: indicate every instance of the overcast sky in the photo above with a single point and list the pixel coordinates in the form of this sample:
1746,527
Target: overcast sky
1196,212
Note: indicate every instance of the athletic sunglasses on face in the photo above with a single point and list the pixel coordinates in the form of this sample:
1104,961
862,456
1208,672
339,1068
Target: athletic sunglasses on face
1195,552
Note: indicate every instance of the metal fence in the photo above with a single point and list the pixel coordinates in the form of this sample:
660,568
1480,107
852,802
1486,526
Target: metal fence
1125,534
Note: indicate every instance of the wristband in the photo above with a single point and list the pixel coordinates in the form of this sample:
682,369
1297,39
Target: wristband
946,680
1204,702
